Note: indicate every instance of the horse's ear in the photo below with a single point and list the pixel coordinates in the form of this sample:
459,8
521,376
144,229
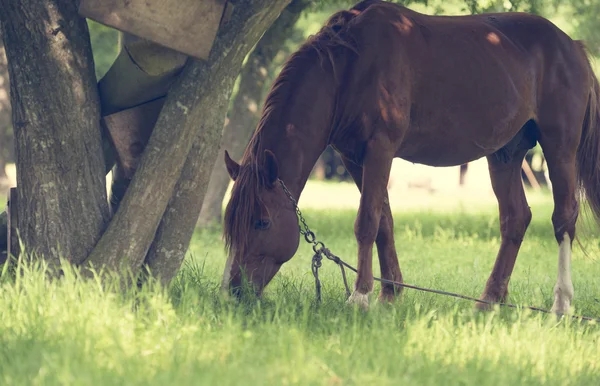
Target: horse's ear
271,167
233,168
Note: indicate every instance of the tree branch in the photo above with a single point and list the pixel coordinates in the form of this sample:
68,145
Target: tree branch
132,230
245,109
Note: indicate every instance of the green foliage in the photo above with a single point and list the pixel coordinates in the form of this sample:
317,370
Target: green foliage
587,20
480,6
439,6
343,4
578,18
74,332
105,46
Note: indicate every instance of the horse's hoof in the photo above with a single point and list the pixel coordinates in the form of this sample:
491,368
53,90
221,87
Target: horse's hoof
562,299
561,307
494,296
479,306
361,300
387,298
485,307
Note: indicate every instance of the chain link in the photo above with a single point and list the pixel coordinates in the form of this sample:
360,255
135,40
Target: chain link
309,236
318,247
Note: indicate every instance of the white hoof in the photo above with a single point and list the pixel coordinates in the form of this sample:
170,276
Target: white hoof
563,290
562,300
361,300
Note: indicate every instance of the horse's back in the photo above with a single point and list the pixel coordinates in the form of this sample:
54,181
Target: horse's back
473,81
517,41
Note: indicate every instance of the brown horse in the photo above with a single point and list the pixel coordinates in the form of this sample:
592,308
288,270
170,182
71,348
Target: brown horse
381,81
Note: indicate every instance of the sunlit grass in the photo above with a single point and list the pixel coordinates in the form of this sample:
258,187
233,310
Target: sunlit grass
75,332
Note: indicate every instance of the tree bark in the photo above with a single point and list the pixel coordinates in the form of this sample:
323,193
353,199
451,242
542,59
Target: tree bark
3,237
6,142
245,110
188,117
62,207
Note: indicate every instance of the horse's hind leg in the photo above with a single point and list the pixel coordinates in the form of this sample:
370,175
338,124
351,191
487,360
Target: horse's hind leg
560,152
386,248
515,216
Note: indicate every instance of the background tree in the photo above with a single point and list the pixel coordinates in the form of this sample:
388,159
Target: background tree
6,143
531,6
6,135
587,22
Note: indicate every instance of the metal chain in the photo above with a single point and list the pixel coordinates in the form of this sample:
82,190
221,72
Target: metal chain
320,250
309,236
317,246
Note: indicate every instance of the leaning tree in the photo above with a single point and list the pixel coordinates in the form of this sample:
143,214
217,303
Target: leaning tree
62,117
246,105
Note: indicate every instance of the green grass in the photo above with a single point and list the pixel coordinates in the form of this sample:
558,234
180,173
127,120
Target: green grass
71,332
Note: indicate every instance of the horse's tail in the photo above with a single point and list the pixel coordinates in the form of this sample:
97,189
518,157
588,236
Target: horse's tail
588,153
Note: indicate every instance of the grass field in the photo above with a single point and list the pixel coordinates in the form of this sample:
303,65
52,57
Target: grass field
71,332
75,333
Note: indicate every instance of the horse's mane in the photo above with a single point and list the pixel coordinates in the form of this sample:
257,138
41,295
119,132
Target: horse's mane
245,195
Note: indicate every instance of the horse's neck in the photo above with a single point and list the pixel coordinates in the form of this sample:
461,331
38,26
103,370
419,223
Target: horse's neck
296,160
297,150
300,132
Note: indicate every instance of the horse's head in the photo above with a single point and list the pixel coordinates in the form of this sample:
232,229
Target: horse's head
260,224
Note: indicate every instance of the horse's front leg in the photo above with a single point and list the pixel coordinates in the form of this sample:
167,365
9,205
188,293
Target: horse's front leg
376,171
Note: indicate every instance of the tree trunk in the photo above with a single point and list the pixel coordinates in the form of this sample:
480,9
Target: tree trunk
62,207
3,237
193,114
6,142
245,111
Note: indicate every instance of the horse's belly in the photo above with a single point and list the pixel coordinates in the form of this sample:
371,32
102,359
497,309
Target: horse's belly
462,134
443,155
450,148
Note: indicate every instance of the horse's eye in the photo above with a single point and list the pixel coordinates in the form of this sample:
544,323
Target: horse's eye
262,225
